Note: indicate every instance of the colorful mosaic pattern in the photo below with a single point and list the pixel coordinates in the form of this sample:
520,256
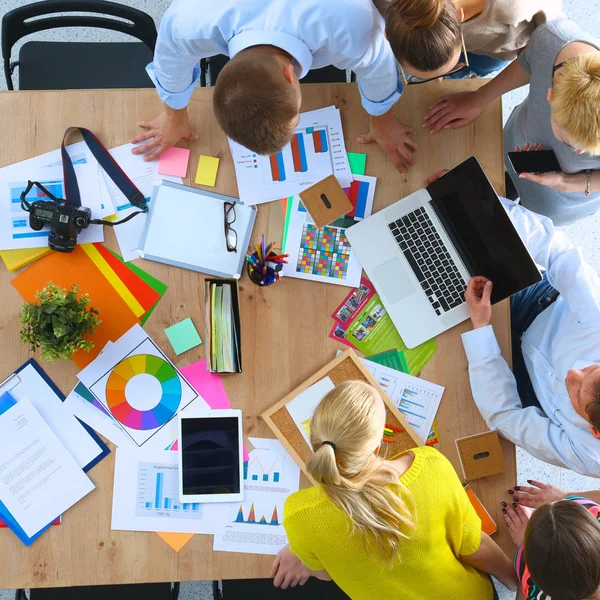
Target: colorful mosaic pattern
324,252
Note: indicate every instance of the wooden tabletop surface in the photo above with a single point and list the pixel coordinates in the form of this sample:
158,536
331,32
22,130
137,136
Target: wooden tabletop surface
284,327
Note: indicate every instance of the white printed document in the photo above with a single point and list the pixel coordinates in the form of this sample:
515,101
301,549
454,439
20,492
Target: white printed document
39,479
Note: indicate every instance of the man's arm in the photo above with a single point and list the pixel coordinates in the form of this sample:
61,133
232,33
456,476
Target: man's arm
495,392
567,270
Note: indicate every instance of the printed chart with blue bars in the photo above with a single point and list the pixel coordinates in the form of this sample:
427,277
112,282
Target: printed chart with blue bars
158,493
309,150
20,219
255,471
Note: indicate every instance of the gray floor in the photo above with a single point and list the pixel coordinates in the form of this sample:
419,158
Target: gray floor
586,233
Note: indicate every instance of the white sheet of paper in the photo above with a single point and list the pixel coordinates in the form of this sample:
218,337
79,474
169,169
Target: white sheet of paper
299,165
28,384
39,479
303,406
144,481
271,476
417,399
137,342
14,221
143,175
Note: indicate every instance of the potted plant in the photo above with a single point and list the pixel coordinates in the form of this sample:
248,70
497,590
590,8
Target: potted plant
58,322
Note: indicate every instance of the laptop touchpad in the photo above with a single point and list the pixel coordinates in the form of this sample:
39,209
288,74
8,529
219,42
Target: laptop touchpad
392,281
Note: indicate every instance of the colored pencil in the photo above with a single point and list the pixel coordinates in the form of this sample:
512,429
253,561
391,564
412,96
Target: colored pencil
394,428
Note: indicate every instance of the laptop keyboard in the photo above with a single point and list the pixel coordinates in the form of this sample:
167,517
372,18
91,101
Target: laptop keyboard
432,265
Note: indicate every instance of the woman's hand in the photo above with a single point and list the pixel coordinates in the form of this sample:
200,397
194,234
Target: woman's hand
451,112
288,570
516,520
538,494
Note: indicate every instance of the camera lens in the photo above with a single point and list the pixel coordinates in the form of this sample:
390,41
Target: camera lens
80,222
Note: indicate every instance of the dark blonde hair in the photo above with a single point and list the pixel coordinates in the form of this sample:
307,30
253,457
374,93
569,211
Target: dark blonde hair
351,475
254,103
562,550
423,33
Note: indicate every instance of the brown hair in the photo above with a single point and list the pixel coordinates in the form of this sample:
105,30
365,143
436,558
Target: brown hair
593,407
356,480
254,103
423,33
562,550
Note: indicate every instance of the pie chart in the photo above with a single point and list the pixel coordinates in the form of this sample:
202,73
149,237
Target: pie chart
123,408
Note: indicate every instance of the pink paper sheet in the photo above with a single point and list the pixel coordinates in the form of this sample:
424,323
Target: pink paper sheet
174,162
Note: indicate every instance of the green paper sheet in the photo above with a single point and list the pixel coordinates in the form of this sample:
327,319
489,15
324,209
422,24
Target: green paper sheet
183,336
394,359
157,285
286,224
358,163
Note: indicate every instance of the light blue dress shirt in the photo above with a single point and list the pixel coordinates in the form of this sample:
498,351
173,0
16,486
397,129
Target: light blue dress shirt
347,34
564,336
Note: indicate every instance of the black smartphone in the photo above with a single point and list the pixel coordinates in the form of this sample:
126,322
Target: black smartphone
538,161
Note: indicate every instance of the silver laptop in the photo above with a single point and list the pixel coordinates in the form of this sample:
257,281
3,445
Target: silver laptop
421,251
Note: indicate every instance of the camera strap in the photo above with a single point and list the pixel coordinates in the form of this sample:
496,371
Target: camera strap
107,162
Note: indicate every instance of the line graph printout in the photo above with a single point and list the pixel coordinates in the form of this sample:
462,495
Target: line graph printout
315,151
418,400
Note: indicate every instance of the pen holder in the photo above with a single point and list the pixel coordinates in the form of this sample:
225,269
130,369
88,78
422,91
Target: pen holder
259,278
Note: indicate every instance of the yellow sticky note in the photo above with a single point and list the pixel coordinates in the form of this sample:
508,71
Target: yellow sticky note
207,170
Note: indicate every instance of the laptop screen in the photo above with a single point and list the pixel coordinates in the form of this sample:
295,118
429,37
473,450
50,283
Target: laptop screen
483,234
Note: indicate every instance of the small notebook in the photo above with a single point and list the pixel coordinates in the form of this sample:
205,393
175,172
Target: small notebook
186,228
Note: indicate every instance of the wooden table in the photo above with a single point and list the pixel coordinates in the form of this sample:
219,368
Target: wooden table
286,324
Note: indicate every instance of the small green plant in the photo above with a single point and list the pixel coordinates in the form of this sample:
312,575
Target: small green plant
58,322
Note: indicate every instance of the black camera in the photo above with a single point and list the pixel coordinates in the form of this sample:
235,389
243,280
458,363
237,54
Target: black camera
65,222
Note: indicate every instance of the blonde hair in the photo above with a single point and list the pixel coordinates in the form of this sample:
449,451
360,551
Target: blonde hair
351,475
576,101
423,33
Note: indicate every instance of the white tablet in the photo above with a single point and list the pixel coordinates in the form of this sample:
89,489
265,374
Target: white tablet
211,459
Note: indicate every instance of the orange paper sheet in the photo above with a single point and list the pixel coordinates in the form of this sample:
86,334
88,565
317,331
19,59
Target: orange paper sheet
77,268
176,540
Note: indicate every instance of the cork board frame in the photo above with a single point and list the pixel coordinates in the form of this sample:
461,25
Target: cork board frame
343,368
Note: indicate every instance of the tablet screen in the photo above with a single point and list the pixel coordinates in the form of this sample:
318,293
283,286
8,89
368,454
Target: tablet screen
210,455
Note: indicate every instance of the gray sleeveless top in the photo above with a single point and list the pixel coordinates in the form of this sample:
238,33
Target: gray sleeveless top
530,122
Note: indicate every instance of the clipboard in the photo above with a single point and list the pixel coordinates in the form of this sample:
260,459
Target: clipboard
13,380
345,367
185,228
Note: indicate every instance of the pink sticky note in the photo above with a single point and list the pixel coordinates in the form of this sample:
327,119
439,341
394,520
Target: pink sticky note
174,162
210,387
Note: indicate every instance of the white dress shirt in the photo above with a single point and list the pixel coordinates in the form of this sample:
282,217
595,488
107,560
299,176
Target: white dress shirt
564,336
347,34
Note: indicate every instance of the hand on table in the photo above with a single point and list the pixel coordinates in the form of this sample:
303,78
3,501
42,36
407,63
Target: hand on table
288,570
397,139
478,297
538,494
435,177
516,520
451,112
162,133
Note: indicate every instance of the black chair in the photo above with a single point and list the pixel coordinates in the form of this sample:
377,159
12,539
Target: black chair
211,67
145,591
241,589
78,65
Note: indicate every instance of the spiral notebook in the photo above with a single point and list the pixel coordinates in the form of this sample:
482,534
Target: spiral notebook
186,228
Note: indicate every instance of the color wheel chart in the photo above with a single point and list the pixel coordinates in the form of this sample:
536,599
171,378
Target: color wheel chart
308,151
117,384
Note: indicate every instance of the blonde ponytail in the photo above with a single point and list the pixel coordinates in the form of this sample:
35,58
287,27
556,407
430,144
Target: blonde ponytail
345,432
576,96
423,34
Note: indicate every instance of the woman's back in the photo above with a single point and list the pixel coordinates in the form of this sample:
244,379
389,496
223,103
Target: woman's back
428,568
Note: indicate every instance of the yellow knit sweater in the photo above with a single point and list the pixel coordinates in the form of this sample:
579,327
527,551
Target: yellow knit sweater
428,567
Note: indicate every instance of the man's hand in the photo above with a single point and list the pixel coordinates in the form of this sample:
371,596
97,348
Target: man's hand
163,132
397,139
538,494
451,112
516,520
478,294
288,570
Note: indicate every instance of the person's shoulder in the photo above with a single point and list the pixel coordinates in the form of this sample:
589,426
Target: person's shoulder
304,502
514,12
187,18
357,15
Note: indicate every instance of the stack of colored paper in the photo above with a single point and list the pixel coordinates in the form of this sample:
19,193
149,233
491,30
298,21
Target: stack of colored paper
123,293
15,259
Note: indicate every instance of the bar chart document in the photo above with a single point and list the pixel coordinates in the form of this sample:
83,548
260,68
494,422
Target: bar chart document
315,151
146,495
255,525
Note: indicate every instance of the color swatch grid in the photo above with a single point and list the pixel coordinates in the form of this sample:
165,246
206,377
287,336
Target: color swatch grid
324,252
